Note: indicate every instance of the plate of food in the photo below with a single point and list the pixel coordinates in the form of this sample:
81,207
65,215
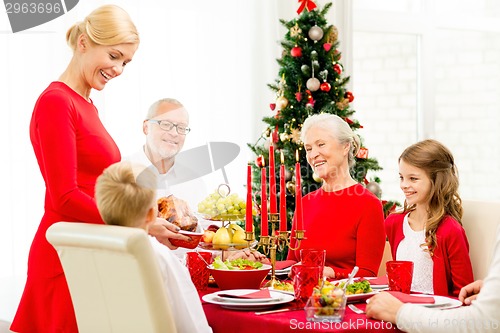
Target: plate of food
356,291
276,298
283,287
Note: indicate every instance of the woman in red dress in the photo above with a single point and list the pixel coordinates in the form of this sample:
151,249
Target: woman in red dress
72,148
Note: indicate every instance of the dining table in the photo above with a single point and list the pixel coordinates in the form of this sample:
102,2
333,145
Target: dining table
223,320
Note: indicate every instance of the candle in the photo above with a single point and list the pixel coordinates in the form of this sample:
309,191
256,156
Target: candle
283,225
263,203
272,182
248,209
298,193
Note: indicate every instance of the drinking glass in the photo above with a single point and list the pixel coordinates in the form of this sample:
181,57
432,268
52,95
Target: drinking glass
305,278
197,264
313,257
399,275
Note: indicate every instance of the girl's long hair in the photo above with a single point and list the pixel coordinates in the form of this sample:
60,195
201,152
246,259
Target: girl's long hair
439,165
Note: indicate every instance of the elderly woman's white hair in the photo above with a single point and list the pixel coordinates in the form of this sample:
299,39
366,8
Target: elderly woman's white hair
338,128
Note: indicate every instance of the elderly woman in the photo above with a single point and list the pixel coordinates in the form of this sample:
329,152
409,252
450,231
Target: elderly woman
342,217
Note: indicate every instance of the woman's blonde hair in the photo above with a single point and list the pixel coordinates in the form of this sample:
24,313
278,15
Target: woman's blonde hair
438,163
124,193
338,128
106,25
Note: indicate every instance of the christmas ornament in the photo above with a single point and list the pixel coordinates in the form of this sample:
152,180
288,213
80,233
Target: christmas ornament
295,135
349,96
362,153
313,84
325,86
275,135
260,161
305,69
310,105
315,33
316,178
308,4
283,137
288,175
296,52
333,35
342,104
295,30
337,68
290,186
374,187
298,96
281,102
327,46
272,106
314,55
315,65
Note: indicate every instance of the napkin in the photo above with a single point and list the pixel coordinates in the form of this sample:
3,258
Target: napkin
264,293
382,280
405,298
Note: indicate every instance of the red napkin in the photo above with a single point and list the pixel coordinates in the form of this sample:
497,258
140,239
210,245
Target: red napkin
382,280
405,298
284,264
264,293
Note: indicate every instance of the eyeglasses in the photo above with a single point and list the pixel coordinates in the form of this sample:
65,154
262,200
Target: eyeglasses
167,126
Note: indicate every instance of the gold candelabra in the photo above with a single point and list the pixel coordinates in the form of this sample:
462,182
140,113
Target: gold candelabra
274,242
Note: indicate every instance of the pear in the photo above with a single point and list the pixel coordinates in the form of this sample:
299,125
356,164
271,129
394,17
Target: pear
221,239
239,238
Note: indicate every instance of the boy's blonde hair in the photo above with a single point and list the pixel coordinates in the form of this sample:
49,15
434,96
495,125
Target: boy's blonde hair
125,192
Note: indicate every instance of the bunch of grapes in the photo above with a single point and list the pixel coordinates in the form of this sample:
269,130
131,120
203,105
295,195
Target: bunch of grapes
215,204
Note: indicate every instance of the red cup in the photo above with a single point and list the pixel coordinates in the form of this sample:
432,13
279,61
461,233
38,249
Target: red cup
400,275
197,264
313,257
305,278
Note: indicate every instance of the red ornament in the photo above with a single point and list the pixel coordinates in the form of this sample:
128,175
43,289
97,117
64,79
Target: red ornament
296,52
362,153
349,96
298,96
276,135
272,106
309,95
327,46
259,161
325,86
337,69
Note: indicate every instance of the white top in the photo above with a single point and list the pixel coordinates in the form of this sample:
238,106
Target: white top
181,293
482,316
409,249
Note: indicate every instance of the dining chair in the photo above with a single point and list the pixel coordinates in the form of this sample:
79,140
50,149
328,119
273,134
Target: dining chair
480,221
113,278
387,256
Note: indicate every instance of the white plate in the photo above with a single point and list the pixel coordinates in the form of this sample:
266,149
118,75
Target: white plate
360,297
233,304
237,292
376,286
440,302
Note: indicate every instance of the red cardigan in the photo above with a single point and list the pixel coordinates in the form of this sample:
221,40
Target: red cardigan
349,225
452,268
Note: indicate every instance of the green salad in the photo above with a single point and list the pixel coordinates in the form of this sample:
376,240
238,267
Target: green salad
240,264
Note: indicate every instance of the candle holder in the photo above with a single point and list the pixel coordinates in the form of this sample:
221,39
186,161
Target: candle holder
277,242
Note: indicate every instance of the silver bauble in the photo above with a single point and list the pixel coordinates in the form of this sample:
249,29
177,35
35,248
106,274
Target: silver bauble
315,33
374,187
313,84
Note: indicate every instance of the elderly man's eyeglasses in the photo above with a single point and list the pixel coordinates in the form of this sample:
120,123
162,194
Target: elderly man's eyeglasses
167,126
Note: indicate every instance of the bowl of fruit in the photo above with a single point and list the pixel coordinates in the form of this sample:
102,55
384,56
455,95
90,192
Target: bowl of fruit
238,273
326,304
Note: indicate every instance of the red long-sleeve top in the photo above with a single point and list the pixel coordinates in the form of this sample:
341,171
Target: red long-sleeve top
72,148
452,268
349,225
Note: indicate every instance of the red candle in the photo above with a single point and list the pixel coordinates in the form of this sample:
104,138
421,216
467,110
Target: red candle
298,193
283,221
248,209
272,182
263,205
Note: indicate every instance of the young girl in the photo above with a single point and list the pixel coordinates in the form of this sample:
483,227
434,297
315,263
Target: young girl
428,231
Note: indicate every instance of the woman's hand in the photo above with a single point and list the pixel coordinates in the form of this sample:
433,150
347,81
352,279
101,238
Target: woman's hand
469,292
383,306
248,254
162,230
329,272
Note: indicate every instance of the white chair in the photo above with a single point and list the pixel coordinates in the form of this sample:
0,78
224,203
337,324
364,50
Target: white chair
481,220
113,277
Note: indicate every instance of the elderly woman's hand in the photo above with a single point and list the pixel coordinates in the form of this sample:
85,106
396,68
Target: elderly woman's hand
162,230
383,306
248,254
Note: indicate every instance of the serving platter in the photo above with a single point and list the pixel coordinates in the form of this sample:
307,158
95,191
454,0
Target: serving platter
233,304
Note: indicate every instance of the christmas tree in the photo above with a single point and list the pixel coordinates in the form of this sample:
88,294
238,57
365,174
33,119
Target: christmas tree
310,81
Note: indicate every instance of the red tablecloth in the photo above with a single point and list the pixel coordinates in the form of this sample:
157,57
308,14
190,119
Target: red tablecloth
223,321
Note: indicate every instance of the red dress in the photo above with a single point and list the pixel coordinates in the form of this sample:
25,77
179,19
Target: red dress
349,225
72,148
